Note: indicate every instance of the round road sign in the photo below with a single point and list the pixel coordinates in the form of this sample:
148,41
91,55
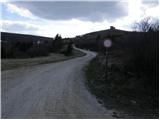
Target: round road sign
107,43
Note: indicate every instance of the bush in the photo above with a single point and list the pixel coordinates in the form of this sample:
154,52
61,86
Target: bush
7,50
25,50
37,51
69,50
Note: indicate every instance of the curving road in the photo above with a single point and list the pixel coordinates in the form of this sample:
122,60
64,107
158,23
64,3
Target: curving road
55,90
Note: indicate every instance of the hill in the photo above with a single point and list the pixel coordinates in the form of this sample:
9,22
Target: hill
93,39
14,37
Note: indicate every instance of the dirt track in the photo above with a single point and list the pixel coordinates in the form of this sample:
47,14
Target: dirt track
55,90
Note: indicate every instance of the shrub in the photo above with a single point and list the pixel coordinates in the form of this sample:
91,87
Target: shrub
37,51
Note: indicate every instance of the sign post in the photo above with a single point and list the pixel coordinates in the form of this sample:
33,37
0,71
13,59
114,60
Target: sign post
107,45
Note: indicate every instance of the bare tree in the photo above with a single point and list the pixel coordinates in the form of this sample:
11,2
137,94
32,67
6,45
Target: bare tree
143,25
155,26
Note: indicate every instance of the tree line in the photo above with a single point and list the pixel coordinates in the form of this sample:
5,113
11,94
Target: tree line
22,48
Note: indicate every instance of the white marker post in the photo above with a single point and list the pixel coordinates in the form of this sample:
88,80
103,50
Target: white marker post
107,45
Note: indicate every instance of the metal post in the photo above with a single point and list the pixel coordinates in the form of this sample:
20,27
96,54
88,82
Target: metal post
106,66
107,45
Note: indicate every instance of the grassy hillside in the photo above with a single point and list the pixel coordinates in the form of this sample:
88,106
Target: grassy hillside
132,86
95,39
15,37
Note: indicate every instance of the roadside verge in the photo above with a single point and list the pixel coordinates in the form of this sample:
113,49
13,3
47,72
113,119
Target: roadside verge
7,64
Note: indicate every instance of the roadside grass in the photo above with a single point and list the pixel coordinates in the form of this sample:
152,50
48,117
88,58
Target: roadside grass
7,64
122,92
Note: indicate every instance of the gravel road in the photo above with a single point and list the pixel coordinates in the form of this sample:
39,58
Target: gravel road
55,90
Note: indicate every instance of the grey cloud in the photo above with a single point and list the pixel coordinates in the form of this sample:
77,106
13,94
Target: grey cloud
18,27
151,2
92,11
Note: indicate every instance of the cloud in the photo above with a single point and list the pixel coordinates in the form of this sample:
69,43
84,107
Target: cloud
67,28
19,10
75,20
140,9
71,28
154,12
18,27
88,11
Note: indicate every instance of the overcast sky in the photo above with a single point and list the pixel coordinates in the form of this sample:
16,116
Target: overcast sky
71,18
